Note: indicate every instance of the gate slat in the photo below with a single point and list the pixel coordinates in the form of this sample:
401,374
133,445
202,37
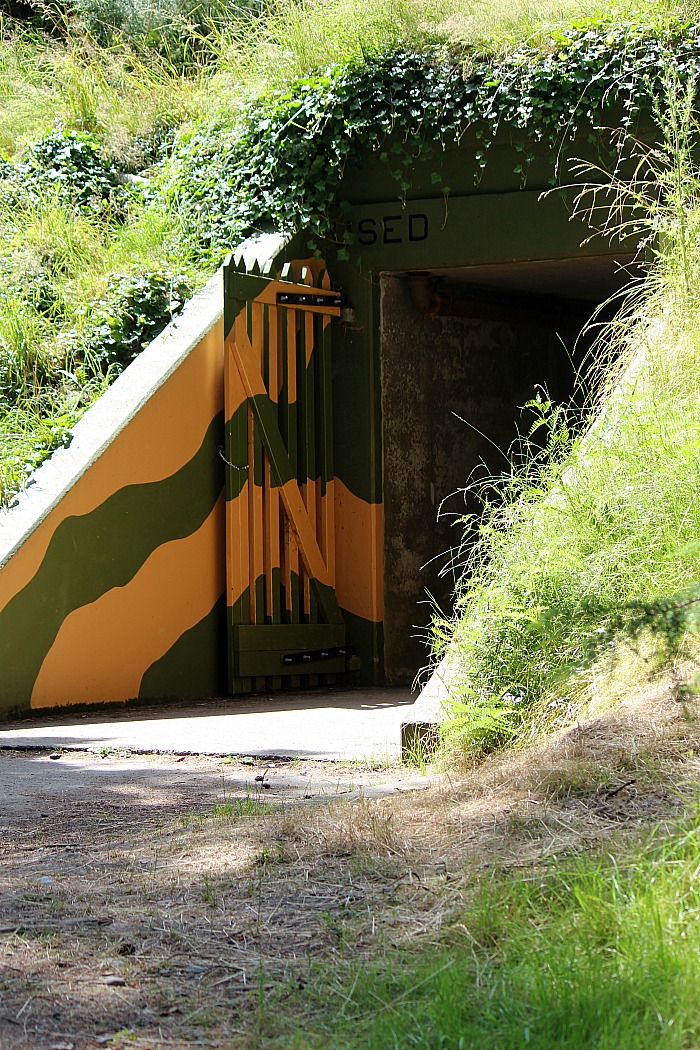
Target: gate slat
325,432
273,500
237,453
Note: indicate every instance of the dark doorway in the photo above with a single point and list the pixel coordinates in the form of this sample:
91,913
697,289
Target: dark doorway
462,350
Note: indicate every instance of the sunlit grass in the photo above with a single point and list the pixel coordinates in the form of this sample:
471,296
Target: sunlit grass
607,518
602,952
56,262
130,102
299,37
491,25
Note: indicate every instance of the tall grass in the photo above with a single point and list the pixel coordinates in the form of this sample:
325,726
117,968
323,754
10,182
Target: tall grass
297,38
129,101
57,272
491,25
602,524
58,261
300,36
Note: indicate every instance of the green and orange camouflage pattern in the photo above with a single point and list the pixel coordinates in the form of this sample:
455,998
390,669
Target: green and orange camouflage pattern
122,591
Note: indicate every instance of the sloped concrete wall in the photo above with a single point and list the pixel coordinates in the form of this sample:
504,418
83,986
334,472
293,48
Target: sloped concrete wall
112,561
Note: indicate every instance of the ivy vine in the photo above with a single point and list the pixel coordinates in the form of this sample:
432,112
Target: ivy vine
283,164
68,166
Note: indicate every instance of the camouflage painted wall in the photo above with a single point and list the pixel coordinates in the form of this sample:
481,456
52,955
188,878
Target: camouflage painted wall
116,590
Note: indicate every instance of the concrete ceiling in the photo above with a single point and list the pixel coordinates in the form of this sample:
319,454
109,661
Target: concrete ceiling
589,279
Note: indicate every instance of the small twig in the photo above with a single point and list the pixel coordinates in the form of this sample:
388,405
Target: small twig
17,1016
615,791
229,977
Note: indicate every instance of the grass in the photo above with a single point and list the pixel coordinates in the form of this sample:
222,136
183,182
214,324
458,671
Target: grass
131,102
534,935
240,807
57,265
492,26
602,952
297,38
590,551
57,262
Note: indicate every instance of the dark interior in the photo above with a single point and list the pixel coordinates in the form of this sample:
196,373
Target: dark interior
463,350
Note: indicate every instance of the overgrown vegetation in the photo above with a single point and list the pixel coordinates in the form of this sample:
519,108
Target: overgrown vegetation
587,552
283,167
142,140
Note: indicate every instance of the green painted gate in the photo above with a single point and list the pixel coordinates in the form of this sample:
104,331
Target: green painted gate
284,623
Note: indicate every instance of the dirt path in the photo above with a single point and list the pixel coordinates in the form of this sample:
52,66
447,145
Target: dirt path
147,900
154,902
107,776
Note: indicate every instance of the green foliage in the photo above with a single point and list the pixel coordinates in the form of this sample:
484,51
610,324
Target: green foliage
588,546
590,953
133,311
23,364
281,166
69,167
72,162
38,423
69,318
184,31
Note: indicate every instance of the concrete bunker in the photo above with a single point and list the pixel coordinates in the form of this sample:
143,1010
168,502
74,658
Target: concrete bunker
459,303
214,482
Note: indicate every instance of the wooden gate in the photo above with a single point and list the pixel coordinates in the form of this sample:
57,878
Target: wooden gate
285,625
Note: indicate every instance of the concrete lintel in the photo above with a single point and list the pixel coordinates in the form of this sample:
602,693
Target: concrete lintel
109,415
474,229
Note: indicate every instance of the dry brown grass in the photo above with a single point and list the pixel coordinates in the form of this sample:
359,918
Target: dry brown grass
212,920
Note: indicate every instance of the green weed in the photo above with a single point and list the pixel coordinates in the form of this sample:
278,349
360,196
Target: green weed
590,546
234,808
597,953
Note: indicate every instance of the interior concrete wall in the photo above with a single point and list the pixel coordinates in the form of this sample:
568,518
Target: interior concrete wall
434,370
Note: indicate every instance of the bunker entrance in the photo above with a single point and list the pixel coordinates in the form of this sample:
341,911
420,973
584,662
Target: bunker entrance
462,351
